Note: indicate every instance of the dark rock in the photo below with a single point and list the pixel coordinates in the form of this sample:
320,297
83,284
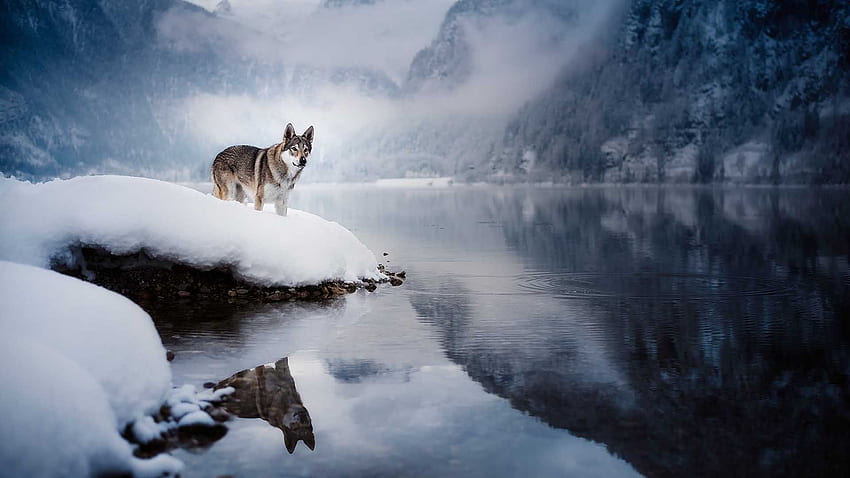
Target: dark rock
169,355
148,281
395,281
386,253
401,274
201,435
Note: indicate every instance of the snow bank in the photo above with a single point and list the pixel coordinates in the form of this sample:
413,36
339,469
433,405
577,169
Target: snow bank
57,418
103,332
124,215
80,363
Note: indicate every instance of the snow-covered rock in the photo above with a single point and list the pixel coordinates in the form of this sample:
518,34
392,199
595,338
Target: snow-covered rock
104,333
81,363
41,222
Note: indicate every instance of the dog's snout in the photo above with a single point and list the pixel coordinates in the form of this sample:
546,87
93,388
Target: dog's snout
302,161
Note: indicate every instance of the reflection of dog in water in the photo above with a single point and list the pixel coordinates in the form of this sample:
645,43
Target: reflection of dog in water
268,392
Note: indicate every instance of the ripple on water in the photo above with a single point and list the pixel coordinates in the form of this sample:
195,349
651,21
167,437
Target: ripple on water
601,285
646,285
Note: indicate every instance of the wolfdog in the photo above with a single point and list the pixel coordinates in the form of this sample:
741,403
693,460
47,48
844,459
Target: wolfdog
270,172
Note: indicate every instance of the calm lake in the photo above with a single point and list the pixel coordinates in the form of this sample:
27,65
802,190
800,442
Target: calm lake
554,332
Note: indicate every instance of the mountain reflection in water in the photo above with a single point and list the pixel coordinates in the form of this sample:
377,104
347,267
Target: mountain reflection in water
268,392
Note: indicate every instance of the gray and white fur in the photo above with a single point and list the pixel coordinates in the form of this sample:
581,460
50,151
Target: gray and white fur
268,173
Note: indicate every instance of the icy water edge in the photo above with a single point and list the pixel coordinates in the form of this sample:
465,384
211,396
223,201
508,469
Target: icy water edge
553,332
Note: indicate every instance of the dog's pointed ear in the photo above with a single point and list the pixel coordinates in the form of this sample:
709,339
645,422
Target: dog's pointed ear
310,441
308,135
289,441
289,132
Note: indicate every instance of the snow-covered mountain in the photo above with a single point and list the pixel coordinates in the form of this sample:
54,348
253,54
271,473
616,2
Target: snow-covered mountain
449,60
487,59
692,90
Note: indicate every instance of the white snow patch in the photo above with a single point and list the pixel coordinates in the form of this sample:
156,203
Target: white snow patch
196,418
184,394
146,430
125,215
81,363
104,333
215,395
187,407
182,409
57,418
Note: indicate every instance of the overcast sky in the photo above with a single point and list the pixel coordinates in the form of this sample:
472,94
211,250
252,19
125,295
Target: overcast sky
385,35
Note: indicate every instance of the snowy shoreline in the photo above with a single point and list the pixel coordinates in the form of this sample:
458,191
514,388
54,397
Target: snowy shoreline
92,386
144,279
44,223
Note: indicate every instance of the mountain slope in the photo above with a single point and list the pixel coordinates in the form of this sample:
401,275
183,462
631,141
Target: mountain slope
103,85
77,85
690,90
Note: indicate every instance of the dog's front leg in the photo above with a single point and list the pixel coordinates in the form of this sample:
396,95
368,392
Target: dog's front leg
280,207
281,204
258,198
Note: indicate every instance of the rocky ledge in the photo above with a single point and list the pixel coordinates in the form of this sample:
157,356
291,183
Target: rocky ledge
143,278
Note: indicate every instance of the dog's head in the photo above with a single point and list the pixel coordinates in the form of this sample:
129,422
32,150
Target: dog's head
297,147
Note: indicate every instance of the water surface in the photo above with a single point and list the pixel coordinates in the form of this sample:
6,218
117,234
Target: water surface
555,332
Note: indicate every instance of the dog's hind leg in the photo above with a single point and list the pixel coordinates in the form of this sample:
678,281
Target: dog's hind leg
240,193
220,182
220,190
258,198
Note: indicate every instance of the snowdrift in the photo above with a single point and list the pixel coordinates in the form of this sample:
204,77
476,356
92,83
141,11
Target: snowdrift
80,363
39,224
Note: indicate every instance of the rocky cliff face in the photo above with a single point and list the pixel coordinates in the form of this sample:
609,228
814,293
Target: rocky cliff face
690,90
447,62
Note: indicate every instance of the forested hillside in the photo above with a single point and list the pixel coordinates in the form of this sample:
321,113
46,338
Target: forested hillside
691,90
